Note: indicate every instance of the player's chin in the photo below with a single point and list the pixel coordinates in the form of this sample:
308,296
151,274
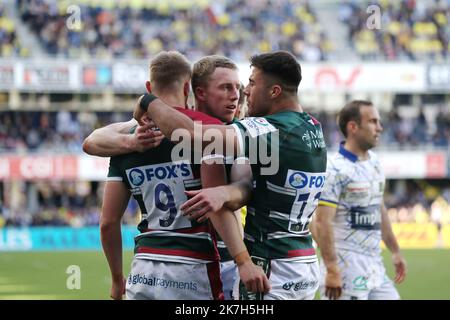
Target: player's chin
227,116
374,143
250,111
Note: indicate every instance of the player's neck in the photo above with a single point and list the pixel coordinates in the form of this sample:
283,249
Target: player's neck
200,106
354,148
286,104
172,100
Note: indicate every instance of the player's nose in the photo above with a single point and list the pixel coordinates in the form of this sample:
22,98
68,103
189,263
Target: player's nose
234,95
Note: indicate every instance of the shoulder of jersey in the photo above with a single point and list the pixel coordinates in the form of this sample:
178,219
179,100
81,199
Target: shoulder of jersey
314,121
338,161
199,116
257,126
373,156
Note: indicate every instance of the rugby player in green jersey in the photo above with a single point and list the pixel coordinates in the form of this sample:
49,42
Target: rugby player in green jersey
287,184
215,82
163,259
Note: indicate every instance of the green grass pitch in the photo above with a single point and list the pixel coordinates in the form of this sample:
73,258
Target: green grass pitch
42,275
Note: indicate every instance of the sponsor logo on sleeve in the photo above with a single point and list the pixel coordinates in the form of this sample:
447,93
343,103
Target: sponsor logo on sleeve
257,126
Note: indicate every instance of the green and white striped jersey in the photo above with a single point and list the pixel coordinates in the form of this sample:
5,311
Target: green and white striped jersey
158,184
282,204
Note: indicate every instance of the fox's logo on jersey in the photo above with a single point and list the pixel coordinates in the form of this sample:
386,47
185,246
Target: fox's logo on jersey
158,172
136,177
299,180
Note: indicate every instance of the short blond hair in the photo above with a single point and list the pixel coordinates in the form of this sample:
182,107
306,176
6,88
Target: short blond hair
169,68
205,67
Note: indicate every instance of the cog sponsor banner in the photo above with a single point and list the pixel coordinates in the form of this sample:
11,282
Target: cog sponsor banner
421,164
39,167
130,76
92,168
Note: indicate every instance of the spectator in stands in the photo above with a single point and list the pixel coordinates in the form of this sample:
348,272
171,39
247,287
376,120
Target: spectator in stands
222,27
10,45
410,30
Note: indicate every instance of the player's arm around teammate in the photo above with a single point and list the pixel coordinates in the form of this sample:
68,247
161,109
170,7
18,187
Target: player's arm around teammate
149,106
322,230
116,139
234,195
115,200
391,243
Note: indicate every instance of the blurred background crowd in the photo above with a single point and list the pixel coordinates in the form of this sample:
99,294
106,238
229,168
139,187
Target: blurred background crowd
412,30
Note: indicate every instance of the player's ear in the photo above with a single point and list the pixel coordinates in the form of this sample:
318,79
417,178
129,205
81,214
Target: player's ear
352,126
148,86
275,91
200,93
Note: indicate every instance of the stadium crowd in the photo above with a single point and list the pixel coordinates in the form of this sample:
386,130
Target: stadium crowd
234,28
64,132
418,201
78,203
417,131
56,203
10,45
408,29
60,131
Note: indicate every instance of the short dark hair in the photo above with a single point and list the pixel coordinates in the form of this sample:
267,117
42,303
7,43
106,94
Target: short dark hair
282,65
351,112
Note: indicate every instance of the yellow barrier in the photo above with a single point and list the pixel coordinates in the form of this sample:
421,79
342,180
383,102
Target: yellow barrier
446,236
420,236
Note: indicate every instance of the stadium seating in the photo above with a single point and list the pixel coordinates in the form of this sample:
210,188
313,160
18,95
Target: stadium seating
138,29
411,30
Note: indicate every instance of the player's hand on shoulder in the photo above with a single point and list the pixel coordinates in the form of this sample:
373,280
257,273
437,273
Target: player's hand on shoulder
146,137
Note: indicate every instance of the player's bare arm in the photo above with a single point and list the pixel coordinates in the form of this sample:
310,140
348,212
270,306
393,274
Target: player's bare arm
115,200
228,227
391,243
116,139
323,235
169,120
